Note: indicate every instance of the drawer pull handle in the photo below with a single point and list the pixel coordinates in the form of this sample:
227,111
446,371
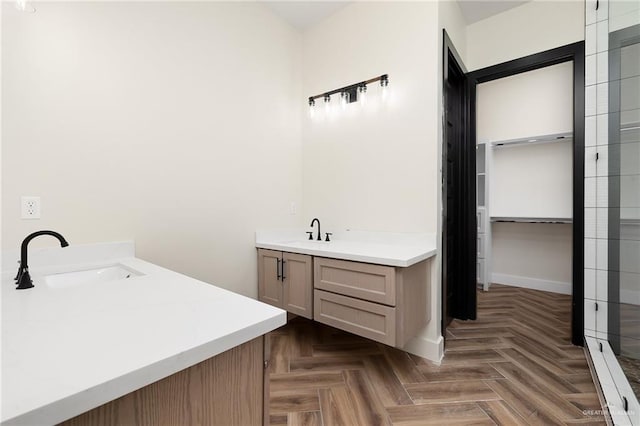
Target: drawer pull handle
278,269
283,277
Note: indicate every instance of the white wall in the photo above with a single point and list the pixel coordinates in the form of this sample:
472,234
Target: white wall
525,253
534,27
528,104
530,181
375,167
173,124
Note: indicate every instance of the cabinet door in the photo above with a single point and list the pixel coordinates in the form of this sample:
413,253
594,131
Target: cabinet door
298,284
269,284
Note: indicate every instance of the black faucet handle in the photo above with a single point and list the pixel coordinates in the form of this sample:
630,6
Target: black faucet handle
326,238
310,234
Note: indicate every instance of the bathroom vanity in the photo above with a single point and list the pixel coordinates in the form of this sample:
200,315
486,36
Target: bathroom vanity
107,338
375,285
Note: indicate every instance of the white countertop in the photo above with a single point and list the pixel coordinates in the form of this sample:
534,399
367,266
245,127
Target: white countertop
384,248
68,350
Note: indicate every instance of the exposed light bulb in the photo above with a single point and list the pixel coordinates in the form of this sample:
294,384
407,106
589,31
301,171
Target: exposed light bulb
384,83
363,95
23,6
344,99
312,107
327,103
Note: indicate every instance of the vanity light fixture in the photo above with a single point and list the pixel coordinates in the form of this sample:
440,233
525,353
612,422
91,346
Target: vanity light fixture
351,93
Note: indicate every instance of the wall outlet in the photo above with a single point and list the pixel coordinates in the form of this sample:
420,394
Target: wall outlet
30,207
293,208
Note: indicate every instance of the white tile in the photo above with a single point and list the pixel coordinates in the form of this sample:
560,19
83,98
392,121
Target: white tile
602,286
602,129
602,36
602,67
602,223
590,162
590,291
590,13
601,317
629,255
602,191
623,21
590,192
590,130
589,314
589,222
602,165
590,100
602,98
590,253
603,10
602,254
590,70
623,7
590,34
629,194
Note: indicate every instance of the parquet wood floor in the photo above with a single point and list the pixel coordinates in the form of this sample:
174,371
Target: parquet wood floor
513,366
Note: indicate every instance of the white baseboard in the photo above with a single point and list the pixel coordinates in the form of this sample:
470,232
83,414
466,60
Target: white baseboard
532,283
433,350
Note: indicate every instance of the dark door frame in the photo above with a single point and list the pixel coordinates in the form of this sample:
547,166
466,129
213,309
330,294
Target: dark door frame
459,272
571,52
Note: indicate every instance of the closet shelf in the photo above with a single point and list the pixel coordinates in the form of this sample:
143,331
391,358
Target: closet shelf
533,140
532,219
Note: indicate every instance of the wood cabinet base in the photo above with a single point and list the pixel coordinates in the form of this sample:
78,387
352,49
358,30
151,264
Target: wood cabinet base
228,389
354,288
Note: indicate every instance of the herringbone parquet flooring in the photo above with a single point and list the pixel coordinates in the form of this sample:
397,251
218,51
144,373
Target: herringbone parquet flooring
513,366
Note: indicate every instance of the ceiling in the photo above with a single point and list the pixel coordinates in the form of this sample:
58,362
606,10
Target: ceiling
304,14
477,10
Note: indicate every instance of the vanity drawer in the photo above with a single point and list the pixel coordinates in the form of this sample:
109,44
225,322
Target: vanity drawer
376,283
366,319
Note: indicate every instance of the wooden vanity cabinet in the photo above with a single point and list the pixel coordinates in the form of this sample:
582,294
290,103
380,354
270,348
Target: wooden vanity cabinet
382,303
285,280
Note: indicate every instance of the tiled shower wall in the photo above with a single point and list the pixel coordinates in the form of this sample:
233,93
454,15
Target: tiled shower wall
612,198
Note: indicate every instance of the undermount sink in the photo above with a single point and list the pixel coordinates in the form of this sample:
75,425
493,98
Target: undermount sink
90,276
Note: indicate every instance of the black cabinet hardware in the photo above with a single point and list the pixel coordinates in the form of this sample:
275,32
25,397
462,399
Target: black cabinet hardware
278,269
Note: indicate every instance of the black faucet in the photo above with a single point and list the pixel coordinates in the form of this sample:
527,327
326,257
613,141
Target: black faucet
319,233
23,279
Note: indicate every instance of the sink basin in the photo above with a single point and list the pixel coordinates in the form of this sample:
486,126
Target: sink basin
90,276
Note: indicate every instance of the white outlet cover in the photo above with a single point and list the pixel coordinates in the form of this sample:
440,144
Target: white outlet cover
30,207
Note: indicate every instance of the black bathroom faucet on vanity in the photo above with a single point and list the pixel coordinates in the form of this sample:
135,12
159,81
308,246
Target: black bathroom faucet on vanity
316,220
23,279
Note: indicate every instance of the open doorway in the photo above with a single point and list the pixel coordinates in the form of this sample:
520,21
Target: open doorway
462,302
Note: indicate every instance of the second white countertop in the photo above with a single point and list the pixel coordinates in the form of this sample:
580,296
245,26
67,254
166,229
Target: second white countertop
68,350
383,248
